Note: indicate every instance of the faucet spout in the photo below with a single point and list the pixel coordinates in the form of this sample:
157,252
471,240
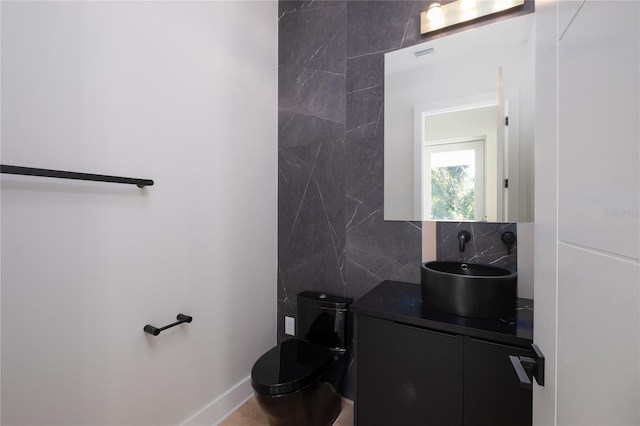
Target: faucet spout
463,238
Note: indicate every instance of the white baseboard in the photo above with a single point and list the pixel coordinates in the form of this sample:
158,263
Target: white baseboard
220,408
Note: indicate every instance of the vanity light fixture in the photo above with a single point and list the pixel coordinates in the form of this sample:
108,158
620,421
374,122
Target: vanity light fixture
467,5
439,16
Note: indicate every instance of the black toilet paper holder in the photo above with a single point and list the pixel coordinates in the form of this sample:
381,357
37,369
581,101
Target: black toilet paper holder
182,318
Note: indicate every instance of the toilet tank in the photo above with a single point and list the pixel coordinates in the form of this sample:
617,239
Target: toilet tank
322,319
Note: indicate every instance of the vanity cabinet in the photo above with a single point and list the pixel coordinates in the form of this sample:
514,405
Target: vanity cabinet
417,367
407,374
492,393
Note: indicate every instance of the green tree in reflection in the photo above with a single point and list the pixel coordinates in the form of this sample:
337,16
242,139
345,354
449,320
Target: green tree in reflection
452,193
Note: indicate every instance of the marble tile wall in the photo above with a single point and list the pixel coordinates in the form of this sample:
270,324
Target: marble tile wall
311,151
485,246
331,232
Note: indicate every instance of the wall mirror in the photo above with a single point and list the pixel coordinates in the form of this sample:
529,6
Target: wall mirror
459,126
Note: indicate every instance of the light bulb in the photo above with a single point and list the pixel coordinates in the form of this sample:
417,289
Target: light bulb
434,12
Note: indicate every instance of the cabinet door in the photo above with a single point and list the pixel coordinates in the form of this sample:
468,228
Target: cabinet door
407,376
492,392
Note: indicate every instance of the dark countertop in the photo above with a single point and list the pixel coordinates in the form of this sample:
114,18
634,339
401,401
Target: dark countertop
402,302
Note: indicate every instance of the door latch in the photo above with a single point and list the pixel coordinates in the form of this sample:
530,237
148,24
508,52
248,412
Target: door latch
524,364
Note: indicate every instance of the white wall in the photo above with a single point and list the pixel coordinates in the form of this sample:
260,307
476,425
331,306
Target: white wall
587,238
599,216
160,90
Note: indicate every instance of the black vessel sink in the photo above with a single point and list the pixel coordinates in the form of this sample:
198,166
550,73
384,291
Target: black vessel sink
469,289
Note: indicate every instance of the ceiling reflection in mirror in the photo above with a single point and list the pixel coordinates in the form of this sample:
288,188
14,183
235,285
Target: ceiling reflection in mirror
459,126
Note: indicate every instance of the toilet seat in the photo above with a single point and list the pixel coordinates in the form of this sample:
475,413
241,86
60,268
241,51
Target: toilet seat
292,365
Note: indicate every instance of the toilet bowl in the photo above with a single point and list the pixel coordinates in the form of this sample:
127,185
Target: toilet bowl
296,383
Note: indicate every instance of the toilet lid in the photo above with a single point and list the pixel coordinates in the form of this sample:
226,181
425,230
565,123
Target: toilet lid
290,366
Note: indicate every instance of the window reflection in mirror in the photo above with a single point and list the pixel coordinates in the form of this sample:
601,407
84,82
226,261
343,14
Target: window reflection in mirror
454,183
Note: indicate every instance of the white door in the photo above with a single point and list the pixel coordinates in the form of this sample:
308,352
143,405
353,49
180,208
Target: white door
587,229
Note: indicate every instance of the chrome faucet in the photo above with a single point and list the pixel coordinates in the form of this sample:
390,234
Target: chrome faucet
463,238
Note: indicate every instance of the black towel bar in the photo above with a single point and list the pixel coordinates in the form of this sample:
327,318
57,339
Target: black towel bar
155,331
30,171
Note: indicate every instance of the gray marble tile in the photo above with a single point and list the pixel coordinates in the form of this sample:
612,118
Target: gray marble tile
379,250
413,23
295,129
311,216
288,6
312,92
364,108
365,72
295,168
365,170
485,247
376,26
291,80
313,35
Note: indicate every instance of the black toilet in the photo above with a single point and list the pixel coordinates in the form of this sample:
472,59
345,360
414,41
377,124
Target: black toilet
296,382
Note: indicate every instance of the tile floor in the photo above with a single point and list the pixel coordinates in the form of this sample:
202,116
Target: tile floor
249,414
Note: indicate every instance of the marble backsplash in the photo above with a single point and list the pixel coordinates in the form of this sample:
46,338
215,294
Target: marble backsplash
485,246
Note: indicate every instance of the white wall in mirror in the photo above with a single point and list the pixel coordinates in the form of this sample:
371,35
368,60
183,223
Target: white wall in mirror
459,72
